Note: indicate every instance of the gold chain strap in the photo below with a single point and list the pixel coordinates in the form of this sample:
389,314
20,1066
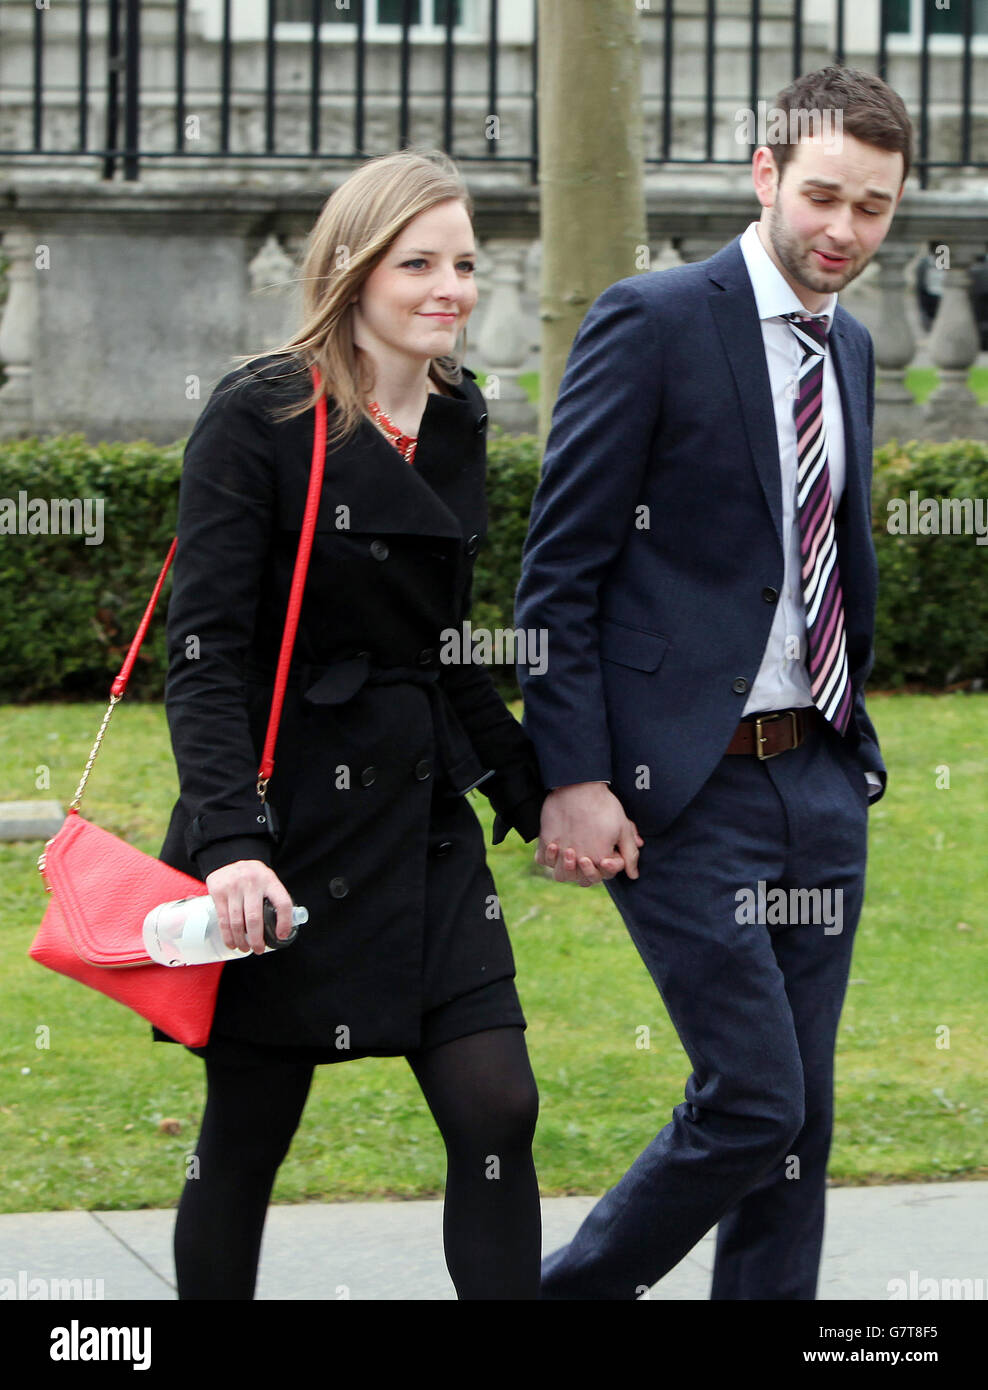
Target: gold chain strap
74,803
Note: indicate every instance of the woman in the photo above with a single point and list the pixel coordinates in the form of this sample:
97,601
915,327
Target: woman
405,951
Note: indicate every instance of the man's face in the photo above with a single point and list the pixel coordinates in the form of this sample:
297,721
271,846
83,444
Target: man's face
828,215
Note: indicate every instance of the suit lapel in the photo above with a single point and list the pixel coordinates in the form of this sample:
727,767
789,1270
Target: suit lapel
736,316
735,313
850,367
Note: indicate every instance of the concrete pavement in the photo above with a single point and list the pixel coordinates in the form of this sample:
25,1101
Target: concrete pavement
393,1250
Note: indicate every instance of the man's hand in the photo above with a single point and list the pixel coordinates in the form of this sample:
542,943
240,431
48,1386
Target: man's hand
585,835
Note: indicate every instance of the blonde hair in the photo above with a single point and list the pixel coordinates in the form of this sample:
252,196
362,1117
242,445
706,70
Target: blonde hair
352,233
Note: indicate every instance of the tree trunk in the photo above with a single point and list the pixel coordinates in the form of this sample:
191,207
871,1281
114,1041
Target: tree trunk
591,161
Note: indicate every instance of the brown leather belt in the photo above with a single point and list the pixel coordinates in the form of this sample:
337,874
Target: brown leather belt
767,735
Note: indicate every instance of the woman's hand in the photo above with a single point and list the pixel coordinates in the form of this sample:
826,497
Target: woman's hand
239,890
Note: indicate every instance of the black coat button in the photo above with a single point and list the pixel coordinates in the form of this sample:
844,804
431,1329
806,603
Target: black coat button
423,769
481,423
426,656
379,550
443,847
739,686
770,595
338,887
472,545
367,776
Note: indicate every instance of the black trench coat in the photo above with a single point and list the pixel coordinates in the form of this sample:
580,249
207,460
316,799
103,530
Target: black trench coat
374,724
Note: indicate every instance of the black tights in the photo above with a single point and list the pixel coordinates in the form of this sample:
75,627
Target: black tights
482,1094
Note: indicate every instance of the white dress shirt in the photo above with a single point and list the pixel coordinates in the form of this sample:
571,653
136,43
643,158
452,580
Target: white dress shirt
782,681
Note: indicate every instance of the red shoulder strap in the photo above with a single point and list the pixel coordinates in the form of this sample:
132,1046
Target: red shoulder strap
298,584
294,599
123,675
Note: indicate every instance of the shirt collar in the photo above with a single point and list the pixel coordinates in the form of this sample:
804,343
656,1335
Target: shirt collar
773,294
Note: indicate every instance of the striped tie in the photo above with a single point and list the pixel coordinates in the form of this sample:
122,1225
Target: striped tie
823,598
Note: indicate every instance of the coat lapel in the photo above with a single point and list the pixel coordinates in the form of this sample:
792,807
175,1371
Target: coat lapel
441,494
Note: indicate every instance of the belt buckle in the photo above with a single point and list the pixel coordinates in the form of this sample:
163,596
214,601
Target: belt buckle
771,719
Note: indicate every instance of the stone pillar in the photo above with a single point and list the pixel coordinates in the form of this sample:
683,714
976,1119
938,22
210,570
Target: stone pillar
663,255
18,335
273,309
896,412
503,341
952,411
697,248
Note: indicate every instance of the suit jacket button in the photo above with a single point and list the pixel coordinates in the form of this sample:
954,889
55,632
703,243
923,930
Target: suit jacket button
379,550
770,595
338,887
481,424
443,847
423,769
472,545
367,777
739,686
426,656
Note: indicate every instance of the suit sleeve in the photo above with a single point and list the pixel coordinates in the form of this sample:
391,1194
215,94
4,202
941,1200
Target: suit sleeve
868,750
226,501
595,459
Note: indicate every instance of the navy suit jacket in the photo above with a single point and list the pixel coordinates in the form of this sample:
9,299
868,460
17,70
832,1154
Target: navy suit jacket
654,555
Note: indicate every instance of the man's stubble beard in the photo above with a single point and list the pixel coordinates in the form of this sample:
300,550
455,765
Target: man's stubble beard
797,263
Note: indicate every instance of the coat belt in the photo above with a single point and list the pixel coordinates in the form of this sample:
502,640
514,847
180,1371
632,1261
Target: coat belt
340,681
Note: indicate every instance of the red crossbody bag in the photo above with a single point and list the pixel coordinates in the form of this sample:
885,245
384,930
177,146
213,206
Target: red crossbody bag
102,888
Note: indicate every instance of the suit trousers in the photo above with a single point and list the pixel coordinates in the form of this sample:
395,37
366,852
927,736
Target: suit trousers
754,980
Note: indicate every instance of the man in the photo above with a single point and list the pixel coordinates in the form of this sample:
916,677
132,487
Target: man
700,552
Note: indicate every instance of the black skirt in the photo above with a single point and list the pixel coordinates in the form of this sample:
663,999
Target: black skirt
457,880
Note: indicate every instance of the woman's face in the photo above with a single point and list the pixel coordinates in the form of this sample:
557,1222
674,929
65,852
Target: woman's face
422,291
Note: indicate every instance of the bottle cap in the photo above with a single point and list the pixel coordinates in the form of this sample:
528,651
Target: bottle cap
299,915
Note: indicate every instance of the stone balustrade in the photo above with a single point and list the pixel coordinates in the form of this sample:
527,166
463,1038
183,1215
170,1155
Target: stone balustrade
126,303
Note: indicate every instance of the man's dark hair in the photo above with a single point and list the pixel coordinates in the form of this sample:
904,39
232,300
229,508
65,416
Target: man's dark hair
871,111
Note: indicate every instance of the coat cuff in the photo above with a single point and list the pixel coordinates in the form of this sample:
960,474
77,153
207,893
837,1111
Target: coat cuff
222,852
516,793
226,825
216,838
526,818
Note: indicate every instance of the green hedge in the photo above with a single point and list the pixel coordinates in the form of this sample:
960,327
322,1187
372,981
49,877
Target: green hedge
68,610
932,623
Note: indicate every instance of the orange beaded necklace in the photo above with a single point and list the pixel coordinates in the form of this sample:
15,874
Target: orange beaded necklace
404,443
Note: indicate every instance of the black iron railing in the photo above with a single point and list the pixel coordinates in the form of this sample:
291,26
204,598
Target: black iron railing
337,74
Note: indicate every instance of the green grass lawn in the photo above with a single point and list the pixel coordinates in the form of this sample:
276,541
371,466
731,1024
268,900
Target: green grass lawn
80,1120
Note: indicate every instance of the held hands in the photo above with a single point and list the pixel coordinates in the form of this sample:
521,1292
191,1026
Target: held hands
586,836
239,890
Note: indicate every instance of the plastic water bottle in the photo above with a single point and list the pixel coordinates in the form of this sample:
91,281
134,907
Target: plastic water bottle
187,932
